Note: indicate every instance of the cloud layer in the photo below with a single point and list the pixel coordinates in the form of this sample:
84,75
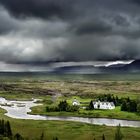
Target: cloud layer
74,30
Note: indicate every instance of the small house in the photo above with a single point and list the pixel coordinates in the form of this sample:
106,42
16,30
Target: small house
75,102
103,105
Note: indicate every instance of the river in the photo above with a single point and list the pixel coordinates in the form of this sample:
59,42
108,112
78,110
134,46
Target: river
21,112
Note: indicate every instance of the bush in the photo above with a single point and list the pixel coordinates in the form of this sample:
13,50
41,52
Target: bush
138,108
62,106
91,106
110,98
129,105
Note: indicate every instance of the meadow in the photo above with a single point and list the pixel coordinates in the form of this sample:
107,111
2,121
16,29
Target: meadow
32,130
52,89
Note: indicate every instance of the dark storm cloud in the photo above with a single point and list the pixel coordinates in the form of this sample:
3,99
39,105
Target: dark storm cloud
110,48
7,24
65,9
121,20
96,27
38,8
42,31
135,1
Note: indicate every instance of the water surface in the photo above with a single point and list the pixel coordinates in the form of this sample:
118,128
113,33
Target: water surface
22,113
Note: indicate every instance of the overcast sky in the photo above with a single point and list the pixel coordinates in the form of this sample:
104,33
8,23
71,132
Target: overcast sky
43,31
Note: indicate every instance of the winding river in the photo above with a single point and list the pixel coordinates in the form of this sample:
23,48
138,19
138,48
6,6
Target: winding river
20,109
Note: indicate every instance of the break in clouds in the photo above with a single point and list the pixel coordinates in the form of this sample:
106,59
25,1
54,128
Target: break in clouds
44,31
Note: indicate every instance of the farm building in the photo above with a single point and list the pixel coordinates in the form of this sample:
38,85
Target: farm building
75,102
103,105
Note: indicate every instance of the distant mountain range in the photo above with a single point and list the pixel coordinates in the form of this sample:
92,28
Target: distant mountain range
114,68
134,65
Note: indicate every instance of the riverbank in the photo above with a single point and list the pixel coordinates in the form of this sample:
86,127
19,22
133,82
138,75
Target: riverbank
21,112
112,114
65,130
25,89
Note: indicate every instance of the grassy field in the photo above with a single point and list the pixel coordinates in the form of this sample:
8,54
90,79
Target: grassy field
67,130
116,113
84,91
82,87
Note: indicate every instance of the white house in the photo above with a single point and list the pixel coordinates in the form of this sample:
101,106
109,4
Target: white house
75,102
103,105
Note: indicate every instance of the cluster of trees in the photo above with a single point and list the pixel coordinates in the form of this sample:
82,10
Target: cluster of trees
129,105
105,98
5,129
126,103
62,106
6,132
110,98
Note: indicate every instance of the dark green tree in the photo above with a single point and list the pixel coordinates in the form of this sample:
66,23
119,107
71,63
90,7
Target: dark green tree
133,106
109,98
118,134
91,106
2,127
8,129
124,106
42,136
63,105
55,138
138,108
103,137
18,137
128,107
128,99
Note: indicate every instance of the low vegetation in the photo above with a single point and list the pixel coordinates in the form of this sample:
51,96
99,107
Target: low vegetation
62,106
54,92
31,130
65,108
